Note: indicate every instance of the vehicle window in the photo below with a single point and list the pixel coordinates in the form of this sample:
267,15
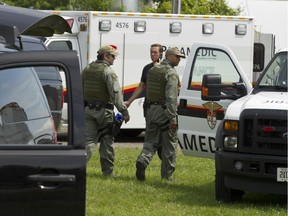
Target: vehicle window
47,72
212,61
60,45
276,73
25,117
258,57
20,86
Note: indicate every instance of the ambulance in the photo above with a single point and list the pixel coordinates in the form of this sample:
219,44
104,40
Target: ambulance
133,33
221,117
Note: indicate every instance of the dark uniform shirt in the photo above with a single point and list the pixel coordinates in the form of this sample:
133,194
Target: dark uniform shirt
144,77
145,72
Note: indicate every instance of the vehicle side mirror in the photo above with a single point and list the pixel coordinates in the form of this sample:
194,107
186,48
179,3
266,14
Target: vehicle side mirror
213,90
211,87
8,34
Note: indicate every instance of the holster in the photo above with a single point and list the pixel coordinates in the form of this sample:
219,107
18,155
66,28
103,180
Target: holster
94,104
117,125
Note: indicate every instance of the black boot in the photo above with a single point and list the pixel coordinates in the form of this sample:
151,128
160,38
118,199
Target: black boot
140,171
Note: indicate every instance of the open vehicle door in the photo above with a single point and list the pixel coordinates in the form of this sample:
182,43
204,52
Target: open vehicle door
43,178
198,119
32,22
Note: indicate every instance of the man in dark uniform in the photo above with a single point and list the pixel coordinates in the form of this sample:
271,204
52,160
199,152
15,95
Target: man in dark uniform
102,91
161,118
156,51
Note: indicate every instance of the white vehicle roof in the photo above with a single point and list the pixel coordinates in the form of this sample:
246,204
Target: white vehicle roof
282,50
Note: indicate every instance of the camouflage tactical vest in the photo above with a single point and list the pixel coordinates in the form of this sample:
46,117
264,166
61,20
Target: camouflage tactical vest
156,84
94,86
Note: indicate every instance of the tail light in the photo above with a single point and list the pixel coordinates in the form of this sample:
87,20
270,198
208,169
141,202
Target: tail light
64,93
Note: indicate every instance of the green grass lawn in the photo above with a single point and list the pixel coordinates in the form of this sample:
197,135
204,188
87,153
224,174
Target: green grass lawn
192,192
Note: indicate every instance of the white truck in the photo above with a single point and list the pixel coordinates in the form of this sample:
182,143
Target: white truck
243,129
133,33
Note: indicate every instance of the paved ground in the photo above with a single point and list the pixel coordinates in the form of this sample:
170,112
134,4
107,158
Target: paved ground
130,142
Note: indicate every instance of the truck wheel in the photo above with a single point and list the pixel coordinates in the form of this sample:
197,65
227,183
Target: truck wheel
224,193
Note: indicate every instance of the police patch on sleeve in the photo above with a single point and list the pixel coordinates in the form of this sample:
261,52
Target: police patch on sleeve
173,77
114,76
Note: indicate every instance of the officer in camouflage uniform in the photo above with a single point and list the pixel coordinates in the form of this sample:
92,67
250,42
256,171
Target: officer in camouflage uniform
102,91
161,118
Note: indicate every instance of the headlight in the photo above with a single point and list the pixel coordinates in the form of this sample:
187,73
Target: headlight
231,142
230,129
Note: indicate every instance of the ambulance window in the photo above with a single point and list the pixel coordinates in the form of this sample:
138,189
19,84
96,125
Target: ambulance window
258,57
60,45
212,61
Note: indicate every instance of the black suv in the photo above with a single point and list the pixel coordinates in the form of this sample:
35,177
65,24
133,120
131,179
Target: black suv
37,175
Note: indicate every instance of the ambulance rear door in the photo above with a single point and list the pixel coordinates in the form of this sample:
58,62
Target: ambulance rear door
137,55
134,54
197,119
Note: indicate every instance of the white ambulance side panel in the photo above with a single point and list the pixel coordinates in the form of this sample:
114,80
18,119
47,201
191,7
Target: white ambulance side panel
198,120
134,46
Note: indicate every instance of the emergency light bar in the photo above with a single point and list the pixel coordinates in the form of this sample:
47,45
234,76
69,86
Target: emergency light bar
240,29
139,26
104,25
175,27
207,28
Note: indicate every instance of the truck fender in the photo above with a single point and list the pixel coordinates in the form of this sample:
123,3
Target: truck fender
219,136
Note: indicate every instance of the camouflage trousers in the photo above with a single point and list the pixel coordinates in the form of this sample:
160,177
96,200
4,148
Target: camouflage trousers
98,128
159,134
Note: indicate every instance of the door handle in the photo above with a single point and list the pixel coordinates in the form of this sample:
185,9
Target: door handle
50,182
62,178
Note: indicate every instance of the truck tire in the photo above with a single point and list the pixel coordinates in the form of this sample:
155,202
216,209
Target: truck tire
223,193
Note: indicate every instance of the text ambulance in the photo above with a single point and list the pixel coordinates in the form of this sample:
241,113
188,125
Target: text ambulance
133,33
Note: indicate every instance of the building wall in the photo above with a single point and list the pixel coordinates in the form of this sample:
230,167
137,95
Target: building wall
131,5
